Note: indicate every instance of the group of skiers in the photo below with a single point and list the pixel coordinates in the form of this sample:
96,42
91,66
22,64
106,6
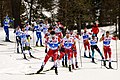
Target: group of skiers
66,45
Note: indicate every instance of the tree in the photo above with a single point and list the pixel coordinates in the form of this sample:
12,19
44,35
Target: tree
71,11
109,11
16,12
5,9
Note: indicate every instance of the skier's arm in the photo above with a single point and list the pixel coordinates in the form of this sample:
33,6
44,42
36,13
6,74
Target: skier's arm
114,38
102,38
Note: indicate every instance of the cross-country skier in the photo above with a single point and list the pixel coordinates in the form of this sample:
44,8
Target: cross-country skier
106,46
53,42
67,44
6,23
46,36
18,38
74,49
58,32
27,28
94,46
86,43
45,27
38,30
95,29
25,43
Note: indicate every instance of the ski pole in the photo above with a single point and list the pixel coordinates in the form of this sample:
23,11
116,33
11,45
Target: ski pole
80,53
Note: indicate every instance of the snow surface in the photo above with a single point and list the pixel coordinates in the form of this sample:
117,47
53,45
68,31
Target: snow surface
13,67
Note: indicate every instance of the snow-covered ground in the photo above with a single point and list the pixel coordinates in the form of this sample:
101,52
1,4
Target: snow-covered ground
13,67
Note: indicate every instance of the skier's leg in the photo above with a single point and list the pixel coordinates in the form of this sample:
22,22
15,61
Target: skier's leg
62,53
72,60
75,55
69,59
92,49
49,54
37,38
7,33
40,39
23,52
98,50
55,56
85,47
110,53
89,49
105,55
66,56
17,41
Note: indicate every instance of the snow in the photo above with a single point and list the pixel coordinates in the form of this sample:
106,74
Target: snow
13,67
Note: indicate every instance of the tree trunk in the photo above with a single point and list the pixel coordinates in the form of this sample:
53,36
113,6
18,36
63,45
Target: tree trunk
1,15
16,12
30,11
79,24
119,20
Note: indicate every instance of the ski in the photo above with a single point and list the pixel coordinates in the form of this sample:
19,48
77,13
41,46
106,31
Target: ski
103,60
40,72
37,46
3,44
106,67
47,70
93,62
52,68
35,58
9,41
99,59
86,57
34,73
23,59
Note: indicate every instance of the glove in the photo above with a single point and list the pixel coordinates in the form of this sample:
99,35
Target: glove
102,34
45,50
14,31
33,30
89,38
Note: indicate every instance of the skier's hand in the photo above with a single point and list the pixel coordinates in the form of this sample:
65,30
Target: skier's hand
102,35
33,30
45,50
30,37
117,38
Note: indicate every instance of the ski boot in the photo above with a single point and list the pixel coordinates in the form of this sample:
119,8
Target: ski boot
73,66
18,50
66,61
24,56
70,68
66,64
63,64
42,46
89,55
52,67
93,61
41,69
104,63
56,71
36,44
110,65
31,55
85,54
76,64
